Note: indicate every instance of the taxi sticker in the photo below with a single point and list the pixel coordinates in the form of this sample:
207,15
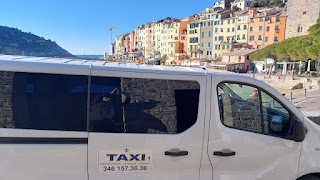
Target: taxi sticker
124,160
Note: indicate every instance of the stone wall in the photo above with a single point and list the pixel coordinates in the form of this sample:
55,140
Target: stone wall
301,12
152,105
6,110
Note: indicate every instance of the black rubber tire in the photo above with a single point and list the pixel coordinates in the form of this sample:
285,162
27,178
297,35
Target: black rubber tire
309,177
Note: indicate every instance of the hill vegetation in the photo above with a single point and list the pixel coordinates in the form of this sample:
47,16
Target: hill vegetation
15,42
267,3
300,48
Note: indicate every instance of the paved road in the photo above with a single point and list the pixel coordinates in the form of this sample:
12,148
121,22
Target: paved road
310,106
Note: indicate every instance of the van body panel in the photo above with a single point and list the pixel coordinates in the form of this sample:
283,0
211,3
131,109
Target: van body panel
257,156
38,155
310,151
206,167
163,166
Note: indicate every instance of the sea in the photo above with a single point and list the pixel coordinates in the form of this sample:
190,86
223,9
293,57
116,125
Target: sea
90,56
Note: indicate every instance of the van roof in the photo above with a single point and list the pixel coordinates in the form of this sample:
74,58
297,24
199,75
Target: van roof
9,59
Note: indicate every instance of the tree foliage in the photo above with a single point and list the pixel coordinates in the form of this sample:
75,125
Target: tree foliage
267,3
300,48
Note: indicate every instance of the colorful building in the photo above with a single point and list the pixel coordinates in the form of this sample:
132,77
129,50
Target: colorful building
182,45
242,25
266,26
207,34
194,36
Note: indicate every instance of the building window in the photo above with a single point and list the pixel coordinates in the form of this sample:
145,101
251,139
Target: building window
217,16
232,29
277,19
209,33
221,22
209,44
228,21
268,28
251,29
239,58
228,46
251,20
201,44
243,36
233,21
260,28
223,47
277,28
260,37
244,27
216,30
251,38
261,19
266,39
275,39
238,37
216,38
228,30
239,28
202,34
183,38
221,30
299,28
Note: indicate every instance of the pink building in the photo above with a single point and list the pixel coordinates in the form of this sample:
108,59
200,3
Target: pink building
235,61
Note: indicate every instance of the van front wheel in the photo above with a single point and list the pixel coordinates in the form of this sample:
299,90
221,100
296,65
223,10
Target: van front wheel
309,177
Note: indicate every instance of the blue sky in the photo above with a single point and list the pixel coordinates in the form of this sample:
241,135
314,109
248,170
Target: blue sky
81,26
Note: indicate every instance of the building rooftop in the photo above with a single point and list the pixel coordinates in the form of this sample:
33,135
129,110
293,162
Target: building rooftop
240,52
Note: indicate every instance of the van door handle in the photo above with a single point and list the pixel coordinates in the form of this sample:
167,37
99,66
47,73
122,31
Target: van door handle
224,153
176,152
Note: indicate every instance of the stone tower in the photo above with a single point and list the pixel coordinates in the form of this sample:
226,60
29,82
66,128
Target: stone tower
301,15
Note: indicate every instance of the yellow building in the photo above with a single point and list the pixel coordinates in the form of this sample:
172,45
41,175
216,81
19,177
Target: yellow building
227,33
242,25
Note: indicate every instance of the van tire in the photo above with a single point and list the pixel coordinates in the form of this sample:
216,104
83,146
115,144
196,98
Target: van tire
309,177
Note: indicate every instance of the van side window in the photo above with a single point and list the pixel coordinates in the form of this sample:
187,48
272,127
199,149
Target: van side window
240,107
247,108
42,101
132,105
276,117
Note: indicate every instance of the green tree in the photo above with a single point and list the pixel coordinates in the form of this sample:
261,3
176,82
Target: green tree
235,8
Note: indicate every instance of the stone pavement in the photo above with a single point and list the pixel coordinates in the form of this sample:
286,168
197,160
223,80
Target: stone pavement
309,105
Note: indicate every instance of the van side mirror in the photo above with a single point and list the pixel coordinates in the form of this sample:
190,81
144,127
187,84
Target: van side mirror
300,131
276,123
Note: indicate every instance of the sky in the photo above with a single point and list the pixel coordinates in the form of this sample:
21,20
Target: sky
81,26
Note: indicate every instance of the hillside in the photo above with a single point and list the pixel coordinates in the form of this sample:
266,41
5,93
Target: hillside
15,42
301,48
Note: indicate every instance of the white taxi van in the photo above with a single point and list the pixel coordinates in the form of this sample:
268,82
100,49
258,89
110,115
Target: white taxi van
92,120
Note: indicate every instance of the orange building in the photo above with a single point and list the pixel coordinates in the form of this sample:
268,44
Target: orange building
266,27
181,47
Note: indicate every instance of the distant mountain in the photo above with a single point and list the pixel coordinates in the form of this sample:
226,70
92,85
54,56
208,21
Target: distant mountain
15,42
